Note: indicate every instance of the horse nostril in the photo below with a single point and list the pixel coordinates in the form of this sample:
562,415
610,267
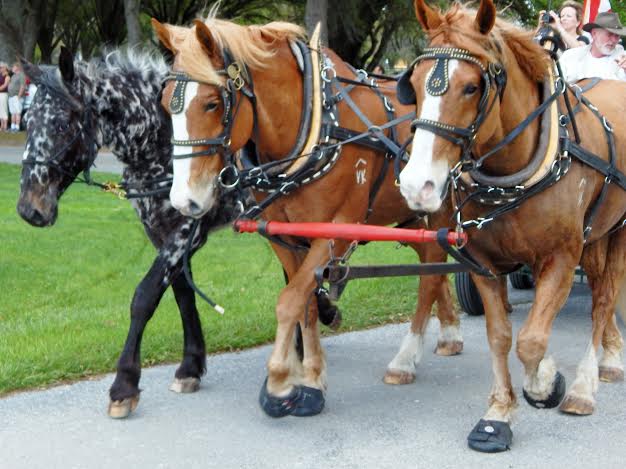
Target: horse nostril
428,189
194,208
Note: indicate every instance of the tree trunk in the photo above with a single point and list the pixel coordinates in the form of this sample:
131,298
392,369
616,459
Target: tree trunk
131,11
317,11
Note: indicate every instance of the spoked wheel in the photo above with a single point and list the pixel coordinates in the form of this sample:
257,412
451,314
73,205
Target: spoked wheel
468,295
522,279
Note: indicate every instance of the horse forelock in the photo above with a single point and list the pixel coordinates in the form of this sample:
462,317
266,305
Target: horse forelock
505,43
253,46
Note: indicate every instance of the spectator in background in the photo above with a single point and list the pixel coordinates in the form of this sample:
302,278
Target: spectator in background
568,24
17,86
604,58
4,96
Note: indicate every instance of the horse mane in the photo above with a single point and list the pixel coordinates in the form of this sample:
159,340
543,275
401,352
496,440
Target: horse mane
252,45
148,64
458,28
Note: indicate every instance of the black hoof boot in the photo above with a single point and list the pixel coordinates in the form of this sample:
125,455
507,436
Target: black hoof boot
329,314
302,401
555,397
490,436
310,402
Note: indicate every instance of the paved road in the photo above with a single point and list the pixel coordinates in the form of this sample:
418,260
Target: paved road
366,424
105,162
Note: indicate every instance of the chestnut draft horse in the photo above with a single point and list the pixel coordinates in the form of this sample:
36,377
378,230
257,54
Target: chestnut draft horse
261,99
477,90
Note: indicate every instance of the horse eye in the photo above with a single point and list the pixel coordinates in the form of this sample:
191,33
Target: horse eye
63,127
211,107
470,90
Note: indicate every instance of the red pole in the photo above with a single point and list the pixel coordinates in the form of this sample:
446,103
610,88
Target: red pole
348,231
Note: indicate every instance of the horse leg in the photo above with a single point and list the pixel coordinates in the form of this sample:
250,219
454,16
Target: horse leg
604,289
493,433
290,389
544,386
401,370
193,365
124,392
611,368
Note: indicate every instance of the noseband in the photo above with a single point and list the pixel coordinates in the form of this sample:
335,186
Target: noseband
228,92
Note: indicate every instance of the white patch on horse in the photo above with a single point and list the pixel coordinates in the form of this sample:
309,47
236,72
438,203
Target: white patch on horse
182,193
361,171
410,353
581,186
540,384
586,383
421,166
449,334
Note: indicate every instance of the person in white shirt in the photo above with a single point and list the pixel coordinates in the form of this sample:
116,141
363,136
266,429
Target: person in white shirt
603,58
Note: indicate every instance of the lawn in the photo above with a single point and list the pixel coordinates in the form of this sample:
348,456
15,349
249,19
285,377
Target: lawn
67,289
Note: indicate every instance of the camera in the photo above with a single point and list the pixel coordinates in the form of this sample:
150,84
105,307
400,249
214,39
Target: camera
546,18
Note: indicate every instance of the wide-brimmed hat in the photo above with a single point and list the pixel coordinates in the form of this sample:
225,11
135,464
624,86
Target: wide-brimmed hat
609,21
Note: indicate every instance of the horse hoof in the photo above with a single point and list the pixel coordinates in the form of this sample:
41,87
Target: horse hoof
611,375
185,385
302,401
310,402
122,409
558,391
447,349
490,436
576,405
398,377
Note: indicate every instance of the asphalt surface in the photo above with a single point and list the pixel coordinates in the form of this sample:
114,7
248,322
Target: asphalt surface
366,424
105,161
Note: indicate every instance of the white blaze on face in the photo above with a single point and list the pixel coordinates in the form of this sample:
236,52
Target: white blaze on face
182,195
422,167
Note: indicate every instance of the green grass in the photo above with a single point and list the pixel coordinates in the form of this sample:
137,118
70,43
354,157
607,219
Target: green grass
67,289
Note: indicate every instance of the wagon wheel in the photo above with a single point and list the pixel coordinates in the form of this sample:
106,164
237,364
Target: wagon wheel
468,295
522,279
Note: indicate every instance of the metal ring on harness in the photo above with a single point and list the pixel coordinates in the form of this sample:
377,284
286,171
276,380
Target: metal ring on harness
228,173
324,73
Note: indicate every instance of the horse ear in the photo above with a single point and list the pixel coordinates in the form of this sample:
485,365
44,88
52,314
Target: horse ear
486,16
66,64
428,18
206,39
32,71
163,33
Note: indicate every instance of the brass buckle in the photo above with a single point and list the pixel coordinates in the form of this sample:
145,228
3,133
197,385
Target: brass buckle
114,188
234,73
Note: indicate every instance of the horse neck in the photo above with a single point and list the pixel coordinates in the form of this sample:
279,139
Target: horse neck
131,123
278,91
520,98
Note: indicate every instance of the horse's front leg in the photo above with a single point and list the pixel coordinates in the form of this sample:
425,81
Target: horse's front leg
291,387
604,262
493,432
124,392
401,370
544,386
193,365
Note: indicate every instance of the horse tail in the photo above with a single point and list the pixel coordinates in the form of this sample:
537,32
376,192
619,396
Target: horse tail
620,305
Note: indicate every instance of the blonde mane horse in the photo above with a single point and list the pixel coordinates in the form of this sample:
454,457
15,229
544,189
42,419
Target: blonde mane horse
546,230
271,120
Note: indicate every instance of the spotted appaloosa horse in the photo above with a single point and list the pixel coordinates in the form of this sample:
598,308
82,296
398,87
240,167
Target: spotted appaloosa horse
114,101
490,75
201,96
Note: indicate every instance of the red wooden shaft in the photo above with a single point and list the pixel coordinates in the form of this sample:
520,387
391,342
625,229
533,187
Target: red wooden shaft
349,231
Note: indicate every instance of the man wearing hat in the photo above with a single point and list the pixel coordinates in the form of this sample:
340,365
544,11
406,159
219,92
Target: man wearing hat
604,57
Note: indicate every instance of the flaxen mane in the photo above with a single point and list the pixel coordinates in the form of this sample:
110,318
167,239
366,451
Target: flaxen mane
458,29
250,45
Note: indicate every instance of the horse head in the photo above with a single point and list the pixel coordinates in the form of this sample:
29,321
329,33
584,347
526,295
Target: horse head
211,116
458,85
60,139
